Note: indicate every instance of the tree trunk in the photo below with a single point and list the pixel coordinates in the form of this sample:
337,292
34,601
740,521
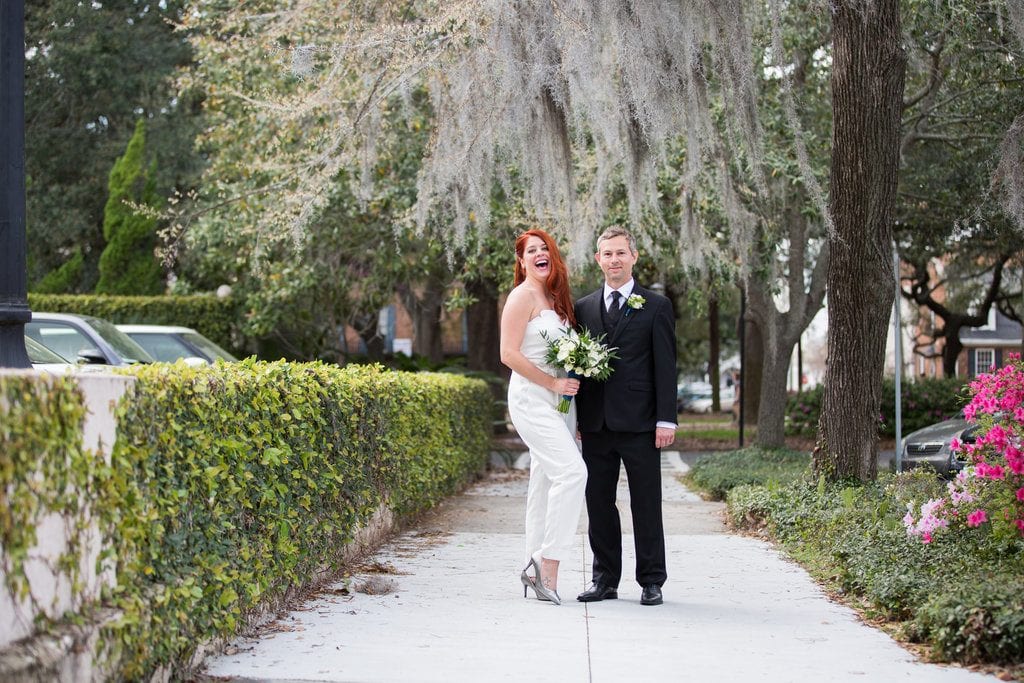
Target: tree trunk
483,329
753,367
780,331
424,308
365,326
951,348
867,90
771,420
714,354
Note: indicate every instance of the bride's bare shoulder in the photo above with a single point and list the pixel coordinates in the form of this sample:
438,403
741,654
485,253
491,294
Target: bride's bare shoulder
519,298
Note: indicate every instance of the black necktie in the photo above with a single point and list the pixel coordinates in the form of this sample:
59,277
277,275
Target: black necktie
615,310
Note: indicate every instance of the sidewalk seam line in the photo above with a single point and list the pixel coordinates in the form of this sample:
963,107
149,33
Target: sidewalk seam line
586,612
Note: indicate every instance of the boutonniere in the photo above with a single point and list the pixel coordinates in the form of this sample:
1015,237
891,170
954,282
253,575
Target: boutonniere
636,302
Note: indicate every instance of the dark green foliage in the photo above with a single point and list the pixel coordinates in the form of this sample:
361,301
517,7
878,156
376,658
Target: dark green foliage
925,401
959,594
91,68
979,622
65,279
209,315
715,475
129,264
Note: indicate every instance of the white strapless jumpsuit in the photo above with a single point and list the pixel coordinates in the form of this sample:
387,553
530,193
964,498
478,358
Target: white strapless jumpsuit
558,476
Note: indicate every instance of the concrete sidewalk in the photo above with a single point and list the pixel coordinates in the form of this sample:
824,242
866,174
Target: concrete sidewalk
449,607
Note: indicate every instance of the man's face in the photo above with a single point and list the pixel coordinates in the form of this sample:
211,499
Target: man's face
616,261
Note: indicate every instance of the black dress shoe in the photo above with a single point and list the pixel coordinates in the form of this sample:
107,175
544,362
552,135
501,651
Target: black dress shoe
651,595
598,592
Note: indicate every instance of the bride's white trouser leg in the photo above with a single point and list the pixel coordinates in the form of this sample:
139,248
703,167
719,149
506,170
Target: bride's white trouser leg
558,476
536,510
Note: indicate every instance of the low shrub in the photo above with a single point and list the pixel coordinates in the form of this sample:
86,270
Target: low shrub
976,622
715,475
959,594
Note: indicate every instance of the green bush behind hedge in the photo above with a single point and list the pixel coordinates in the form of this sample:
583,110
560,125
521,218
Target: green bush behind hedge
214,317
925,401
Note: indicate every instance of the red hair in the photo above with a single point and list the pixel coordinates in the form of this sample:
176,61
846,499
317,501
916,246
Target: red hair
558,279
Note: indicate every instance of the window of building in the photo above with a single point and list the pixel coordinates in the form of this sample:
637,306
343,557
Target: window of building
984,359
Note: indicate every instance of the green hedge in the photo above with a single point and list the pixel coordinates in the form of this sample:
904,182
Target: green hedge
230,485
216,318
959,594
925,401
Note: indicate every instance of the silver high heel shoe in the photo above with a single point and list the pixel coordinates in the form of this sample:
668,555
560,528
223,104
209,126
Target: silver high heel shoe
537,584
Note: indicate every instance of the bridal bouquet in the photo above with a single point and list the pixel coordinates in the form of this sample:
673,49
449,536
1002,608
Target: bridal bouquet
580,355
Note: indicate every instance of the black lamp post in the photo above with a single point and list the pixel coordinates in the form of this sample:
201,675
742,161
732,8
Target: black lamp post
14,310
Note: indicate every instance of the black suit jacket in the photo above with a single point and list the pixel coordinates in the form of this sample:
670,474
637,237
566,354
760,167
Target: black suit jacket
642,388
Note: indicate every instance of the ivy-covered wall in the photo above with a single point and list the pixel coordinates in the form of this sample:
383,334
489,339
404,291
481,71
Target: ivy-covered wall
43,467
231,485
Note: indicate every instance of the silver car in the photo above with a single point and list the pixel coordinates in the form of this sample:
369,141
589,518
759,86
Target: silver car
930,446
84,339
169,343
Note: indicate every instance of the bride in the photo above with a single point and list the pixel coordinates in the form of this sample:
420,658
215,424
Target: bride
538,309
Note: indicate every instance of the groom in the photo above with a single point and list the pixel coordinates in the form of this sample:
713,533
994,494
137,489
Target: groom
627,418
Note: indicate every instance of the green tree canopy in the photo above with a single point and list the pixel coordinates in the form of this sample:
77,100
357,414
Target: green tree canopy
91,70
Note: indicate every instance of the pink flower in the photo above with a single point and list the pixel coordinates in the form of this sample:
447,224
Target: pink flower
1020,495
987,471
976,518
926,537
908,521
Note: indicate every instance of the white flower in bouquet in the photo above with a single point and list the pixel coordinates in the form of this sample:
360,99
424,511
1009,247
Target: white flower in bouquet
580,355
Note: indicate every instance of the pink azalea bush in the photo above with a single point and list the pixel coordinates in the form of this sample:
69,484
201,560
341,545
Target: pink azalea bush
989,492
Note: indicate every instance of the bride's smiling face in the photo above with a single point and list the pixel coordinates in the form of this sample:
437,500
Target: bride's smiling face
535,259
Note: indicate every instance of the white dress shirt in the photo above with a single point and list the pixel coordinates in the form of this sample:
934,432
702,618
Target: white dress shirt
625,290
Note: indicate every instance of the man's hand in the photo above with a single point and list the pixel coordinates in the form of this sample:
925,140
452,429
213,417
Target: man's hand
663,436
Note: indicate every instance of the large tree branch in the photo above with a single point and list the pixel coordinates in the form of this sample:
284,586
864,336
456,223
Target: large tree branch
935,73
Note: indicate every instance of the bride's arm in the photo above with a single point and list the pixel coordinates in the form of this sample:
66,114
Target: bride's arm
514,317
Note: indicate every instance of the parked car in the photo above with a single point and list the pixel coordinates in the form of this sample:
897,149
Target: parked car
931,446
687,391
696,398
85,339
168,343
44,359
